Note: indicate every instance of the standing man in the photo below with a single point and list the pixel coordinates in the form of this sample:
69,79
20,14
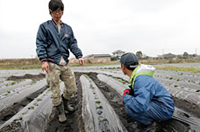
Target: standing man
147,100
54,40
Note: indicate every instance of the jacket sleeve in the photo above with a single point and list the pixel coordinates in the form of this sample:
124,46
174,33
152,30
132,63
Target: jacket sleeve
74,47
140,101
41,44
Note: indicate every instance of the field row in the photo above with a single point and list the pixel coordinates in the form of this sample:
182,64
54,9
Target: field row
26,103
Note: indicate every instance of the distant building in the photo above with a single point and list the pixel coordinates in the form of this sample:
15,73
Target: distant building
93,59
98,58
168,55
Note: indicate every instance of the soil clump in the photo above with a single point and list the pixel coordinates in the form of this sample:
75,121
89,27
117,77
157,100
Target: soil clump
27,76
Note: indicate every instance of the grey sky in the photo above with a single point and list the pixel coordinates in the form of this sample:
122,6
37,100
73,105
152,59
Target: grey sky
103,26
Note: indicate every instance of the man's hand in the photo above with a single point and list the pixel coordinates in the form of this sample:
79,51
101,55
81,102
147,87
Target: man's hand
81,61
45,67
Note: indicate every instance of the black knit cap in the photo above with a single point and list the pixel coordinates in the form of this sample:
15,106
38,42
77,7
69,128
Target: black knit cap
129,60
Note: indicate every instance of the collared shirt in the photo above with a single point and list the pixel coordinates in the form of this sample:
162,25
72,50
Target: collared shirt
62,61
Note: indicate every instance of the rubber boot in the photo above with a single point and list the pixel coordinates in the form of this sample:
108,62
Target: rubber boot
67,105
61,113
150,128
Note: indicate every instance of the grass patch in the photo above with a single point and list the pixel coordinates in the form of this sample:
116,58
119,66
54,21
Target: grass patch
174,68
6,64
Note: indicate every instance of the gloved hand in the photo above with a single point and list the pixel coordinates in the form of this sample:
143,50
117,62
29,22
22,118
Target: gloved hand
126,91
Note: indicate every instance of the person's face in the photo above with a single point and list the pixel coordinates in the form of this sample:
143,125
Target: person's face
56,15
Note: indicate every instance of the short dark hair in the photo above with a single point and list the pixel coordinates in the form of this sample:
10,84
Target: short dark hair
55,4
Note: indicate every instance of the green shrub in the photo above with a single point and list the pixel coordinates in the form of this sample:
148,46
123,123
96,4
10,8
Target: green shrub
98,101
12,83
31,107
20,118
175,85
91,86
5,94
8,91
100,106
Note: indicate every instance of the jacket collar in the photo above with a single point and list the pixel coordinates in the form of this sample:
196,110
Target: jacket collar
54,23
141,70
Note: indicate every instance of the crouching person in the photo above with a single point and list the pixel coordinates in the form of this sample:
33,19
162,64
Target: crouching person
147,100
54,40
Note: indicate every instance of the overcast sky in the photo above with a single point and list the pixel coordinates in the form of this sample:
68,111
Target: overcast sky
104,26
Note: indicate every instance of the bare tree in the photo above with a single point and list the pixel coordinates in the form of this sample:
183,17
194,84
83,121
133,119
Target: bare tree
118,53
139,54
185,55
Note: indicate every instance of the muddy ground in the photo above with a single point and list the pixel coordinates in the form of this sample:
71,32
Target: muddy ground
75,123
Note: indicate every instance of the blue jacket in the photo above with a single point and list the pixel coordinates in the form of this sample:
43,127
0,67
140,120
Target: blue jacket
147,89
51,46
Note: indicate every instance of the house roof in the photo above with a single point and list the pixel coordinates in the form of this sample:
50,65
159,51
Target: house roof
98,55
168,55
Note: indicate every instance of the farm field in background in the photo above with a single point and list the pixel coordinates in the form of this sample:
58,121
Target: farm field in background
25,103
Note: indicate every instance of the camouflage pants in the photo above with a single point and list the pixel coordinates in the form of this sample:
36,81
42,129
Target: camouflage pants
64,73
